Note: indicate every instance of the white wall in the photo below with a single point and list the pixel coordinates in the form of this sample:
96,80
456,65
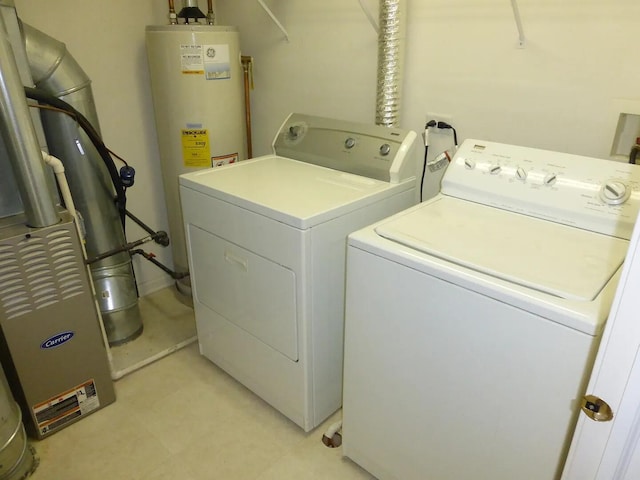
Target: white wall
461,59
557,93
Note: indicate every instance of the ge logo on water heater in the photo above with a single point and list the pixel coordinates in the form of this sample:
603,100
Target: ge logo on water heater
57,340
211,52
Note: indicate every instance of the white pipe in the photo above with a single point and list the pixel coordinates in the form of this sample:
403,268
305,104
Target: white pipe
332,438
333,429
118,374
58,169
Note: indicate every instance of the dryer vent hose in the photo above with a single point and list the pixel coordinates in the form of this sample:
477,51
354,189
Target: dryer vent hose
390,62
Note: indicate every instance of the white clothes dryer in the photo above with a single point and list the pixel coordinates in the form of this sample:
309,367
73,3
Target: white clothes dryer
472,319
267,245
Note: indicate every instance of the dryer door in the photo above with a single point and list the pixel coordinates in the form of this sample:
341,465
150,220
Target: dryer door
250,291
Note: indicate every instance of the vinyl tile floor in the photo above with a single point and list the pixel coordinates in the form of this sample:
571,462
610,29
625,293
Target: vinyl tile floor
182,417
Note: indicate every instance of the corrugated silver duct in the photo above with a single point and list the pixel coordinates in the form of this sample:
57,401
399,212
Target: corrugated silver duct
21,141
55,71
390,62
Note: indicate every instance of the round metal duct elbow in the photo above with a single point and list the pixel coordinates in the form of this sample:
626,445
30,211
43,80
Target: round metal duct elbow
55,71
390,62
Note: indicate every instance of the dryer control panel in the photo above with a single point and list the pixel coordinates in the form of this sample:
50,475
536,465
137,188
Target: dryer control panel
369,150
589,193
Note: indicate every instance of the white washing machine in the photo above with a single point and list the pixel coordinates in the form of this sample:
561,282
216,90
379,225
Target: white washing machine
472,319
267,245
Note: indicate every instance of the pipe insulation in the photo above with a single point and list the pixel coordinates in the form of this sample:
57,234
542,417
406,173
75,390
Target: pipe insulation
21,141
391,38
57,73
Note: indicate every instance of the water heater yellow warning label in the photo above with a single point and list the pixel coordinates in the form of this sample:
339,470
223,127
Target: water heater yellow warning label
195,148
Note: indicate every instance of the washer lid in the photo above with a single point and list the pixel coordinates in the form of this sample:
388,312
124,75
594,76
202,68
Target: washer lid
296,193
552,258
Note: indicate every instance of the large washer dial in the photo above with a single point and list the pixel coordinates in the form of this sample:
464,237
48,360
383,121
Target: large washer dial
550,179
521,174
614,192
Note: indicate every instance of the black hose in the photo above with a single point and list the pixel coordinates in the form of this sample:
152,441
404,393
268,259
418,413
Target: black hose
44,97
160,237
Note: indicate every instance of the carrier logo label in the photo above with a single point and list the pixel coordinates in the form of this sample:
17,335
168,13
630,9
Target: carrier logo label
57,340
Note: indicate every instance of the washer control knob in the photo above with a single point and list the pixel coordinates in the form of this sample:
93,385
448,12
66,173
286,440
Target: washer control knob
614,192
350,142
385,148
495,169
469,163
550,179
521,174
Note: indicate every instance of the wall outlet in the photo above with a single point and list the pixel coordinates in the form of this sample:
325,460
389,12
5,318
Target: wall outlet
626,120
439,117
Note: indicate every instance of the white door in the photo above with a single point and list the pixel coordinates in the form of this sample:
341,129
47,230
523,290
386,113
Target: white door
609,450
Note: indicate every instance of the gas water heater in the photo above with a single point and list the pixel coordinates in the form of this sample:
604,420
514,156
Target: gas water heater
197,85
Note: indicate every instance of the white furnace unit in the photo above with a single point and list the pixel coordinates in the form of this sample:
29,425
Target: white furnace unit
472,320
267,244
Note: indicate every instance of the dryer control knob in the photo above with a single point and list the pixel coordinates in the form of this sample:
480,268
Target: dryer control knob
614,192
521,174
469,163
385,148
350,142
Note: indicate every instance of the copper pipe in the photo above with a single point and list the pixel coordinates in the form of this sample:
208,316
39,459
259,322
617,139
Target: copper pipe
210,15
247,66
173,19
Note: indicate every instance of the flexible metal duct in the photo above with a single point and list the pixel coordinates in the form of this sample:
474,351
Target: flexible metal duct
55,71
21,140
390,62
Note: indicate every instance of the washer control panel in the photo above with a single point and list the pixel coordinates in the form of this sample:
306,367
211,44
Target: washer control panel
369,150
589,193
